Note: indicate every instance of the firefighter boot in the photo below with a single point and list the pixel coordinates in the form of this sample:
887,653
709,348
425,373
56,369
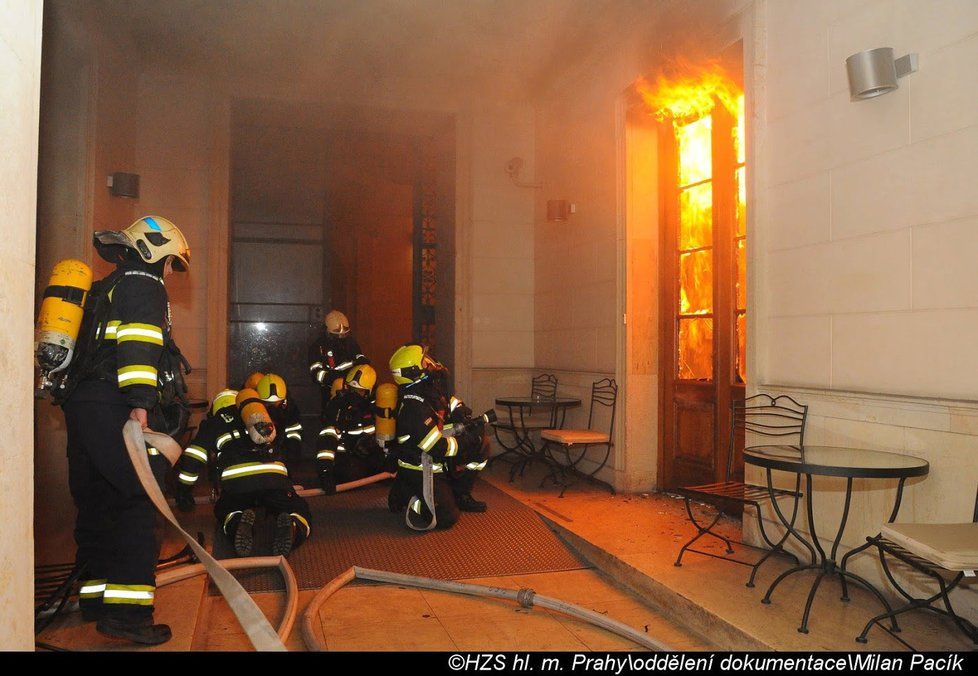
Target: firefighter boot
244,533
138,630
284,534
467,503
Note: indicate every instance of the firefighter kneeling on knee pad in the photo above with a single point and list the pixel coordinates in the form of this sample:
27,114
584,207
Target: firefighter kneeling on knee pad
433,422
253,475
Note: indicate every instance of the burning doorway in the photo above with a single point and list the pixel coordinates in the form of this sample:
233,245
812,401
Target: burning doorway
702,271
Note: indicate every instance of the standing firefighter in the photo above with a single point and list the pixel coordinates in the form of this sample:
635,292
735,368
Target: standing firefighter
334,353
125,369
432,421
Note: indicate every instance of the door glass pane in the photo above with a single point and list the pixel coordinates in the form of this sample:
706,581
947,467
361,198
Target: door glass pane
696,348
741,274
741,370
741,225
696,217
695,151
696,282
739,139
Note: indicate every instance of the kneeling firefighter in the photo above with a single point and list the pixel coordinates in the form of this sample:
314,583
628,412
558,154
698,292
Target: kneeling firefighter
219,427
348,448
254,474
433,428
125,366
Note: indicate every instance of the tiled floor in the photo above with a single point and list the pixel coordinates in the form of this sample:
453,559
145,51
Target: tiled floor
638,537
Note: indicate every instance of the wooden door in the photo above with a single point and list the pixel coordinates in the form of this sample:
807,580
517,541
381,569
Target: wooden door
702,291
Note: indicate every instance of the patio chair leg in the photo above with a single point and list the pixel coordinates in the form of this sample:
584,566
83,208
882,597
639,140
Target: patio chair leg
779,547
701,531
803,629
876,592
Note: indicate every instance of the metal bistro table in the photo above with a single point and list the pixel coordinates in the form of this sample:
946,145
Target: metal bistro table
850,463
519,409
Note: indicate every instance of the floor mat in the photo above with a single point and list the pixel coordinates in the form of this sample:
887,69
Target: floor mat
356,528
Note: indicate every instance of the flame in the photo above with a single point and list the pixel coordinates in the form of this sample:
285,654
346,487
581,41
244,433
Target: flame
690,93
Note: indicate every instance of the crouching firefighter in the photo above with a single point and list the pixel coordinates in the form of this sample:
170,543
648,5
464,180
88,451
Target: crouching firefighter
253,475
217,428
125,366
348,448
440,449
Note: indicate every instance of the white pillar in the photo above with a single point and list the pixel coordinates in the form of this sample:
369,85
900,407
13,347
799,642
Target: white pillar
20,79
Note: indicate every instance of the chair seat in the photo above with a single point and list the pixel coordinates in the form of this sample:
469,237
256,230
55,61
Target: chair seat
570,437
953,546
733,491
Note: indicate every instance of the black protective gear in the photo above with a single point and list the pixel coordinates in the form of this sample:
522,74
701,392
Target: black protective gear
288,422
141,631
348,448
330,357
185,498
467,503
231,509
328,482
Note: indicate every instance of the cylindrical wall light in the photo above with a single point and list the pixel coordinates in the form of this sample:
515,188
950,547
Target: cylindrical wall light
874,72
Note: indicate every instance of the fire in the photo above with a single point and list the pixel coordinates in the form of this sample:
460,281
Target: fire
691,93
686,97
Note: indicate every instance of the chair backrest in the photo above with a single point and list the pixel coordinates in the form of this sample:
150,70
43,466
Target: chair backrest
544,386
780,419
604,392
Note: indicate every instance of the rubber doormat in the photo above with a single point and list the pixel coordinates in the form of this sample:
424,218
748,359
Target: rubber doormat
356,528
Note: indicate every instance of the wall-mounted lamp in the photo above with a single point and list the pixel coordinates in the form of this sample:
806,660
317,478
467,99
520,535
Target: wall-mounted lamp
122,184
875,72
560,210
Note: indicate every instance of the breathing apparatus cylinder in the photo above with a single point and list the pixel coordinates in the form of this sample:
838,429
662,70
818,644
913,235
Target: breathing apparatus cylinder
255,416
335,387
384,421
60,317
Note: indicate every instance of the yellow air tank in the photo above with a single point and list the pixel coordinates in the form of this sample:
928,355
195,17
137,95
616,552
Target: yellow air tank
384,421
255,416
334,389
61,315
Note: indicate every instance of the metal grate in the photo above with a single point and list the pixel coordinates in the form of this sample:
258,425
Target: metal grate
356,528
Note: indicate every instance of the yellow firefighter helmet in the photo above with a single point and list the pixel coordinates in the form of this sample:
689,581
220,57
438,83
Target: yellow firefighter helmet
411,362
223,399
362,377
271,389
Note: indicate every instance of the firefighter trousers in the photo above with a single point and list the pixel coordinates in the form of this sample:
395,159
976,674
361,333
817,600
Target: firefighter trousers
117,527
447,488
275,501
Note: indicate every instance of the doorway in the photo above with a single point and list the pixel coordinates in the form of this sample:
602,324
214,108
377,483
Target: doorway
702,277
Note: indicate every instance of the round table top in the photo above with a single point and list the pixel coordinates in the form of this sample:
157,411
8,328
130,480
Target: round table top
855,463
557,402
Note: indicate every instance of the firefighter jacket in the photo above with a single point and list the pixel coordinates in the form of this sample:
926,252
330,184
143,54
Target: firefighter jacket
214,433
247,467
288,422
429,422
131,338
331,357
348,429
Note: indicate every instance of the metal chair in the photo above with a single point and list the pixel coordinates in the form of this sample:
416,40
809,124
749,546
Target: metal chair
765,416
944,552
604,392
516,425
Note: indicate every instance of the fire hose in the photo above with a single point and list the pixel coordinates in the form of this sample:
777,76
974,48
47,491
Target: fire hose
527,598
252,620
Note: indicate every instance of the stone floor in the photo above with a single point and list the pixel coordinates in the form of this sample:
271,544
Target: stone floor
631,539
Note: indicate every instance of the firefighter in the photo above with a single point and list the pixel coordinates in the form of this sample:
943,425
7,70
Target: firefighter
223,420
431,420
284,411
348,448
334,353
125,372
253,474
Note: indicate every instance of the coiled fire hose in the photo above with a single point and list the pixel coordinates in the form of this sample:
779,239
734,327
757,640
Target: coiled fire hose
252,620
